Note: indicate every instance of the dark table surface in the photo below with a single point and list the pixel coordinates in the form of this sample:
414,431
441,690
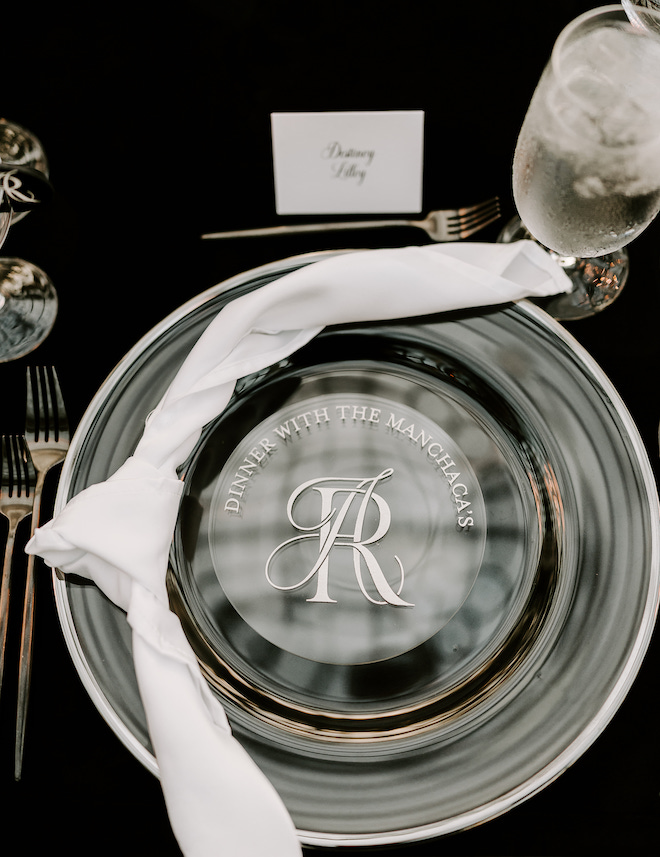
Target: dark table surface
156,121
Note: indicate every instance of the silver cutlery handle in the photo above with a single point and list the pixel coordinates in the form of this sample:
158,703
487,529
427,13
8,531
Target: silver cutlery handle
307,227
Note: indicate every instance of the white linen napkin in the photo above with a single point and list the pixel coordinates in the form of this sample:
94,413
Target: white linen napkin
118,533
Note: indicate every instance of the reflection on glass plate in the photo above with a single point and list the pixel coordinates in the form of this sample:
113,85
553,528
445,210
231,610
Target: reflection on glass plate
417,562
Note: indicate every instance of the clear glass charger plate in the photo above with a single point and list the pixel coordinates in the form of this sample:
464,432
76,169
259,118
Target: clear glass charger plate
418,562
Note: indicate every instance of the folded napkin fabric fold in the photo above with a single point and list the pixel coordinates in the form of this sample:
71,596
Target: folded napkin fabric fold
118,533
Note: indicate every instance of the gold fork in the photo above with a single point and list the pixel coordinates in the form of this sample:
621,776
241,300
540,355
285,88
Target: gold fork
47,436
17,486
443,225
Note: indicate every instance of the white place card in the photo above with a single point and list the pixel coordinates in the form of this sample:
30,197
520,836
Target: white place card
356,162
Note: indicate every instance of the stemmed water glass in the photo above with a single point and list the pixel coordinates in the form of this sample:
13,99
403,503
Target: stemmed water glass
28,300
586,170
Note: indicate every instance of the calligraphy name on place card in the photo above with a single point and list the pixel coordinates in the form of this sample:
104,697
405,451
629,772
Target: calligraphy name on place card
355,162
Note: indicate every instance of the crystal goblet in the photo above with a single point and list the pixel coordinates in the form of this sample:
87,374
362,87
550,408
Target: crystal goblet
28,300
21,150
586,170
28,307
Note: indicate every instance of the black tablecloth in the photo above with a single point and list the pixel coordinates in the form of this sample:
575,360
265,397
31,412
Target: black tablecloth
156,121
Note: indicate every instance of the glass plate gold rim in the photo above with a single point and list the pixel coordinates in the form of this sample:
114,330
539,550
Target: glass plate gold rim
453,708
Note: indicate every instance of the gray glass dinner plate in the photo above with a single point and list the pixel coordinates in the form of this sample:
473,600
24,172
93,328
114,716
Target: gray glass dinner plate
418,562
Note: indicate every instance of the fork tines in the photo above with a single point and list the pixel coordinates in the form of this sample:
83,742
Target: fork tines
45,418
466,220
18,475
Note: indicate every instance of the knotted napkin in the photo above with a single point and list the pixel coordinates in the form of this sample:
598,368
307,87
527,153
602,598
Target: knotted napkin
118,533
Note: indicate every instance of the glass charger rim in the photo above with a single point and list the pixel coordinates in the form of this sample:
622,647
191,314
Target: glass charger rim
490,809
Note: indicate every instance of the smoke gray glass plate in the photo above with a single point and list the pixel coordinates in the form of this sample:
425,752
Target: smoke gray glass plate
418,562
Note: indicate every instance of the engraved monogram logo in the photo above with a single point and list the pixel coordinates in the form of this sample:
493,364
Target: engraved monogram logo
342,498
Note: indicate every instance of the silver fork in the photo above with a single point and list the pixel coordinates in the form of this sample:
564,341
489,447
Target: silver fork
47,436
443,225
17,489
